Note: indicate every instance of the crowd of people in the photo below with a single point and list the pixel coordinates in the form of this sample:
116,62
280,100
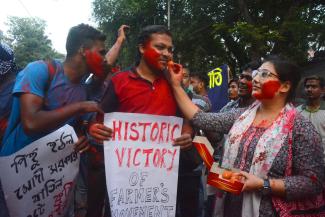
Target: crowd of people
278,149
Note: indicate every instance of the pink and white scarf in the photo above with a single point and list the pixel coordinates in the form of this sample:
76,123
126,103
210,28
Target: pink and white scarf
266,150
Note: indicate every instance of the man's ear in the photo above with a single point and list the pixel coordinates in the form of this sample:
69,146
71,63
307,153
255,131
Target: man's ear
141,48
285,87
82,51
201,84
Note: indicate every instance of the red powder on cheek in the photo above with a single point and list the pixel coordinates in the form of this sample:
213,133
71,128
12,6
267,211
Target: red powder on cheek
268,90
151,57
95,63
249,85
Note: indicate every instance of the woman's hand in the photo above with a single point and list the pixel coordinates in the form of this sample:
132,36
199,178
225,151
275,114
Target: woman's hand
100,132
252,182
176,73
175,78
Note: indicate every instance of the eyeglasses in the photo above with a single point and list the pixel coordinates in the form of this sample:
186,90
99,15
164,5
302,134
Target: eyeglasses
263,73
247,77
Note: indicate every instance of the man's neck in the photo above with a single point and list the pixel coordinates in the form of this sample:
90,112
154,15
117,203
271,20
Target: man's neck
74,69
203,93
313,103
145,72
245,101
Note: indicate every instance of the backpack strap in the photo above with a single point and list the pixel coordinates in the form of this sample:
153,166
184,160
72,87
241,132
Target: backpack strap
52,70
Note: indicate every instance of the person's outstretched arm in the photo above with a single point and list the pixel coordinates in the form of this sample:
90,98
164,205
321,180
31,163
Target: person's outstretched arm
217,122
187,107
36,120
112,55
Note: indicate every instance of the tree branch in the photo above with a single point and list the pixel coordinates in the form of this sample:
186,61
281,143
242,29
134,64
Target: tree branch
244,11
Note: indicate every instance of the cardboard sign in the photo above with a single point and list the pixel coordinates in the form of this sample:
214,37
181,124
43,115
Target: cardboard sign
225,179
205,150
37,180
141,164
221,178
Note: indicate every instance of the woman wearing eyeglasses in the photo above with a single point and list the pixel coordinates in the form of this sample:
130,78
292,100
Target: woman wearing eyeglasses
278,151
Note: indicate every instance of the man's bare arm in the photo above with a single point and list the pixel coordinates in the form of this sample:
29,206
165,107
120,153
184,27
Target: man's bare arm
114,52
37,120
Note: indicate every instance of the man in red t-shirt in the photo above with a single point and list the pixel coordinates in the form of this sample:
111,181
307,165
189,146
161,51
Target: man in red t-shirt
144,89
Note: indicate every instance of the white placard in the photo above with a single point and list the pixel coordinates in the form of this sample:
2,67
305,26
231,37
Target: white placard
37,180
142,165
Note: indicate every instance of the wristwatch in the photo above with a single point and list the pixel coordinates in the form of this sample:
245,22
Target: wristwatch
266,189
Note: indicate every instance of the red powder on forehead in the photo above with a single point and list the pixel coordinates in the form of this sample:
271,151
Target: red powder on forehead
95,63
249,85
268,90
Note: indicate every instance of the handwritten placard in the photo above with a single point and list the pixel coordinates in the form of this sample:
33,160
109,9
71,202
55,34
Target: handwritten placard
142,165
37,180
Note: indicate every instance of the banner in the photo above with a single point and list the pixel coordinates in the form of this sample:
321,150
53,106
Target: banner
37,180
142,165
218,87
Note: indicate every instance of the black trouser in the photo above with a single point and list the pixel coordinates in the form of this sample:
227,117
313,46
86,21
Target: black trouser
188,196
96,186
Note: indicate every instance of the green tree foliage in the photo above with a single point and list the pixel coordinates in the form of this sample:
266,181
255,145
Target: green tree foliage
208,33
28,39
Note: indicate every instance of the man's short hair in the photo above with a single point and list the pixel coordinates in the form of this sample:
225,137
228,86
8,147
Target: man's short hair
202,77
82,35
251,66
146,33
234,80
315,77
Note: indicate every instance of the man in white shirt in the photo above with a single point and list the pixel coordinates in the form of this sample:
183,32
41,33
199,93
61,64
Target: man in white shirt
314,108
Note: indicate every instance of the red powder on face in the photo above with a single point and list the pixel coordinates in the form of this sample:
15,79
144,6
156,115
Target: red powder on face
151,57
95,63
268,90
249,85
